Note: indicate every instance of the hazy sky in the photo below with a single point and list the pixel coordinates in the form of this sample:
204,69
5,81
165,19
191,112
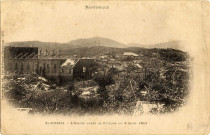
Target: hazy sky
127,22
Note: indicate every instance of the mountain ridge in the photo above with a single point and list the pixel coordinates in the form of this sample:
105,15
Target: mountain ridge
90,42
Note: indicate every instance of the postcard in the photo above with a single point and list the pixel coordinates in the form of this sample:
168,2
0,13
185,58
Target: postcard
105,67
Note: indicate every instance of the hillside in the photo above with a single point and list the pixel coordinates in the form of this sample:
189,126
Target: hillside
92,51
164,45
104,43
40,45
96,41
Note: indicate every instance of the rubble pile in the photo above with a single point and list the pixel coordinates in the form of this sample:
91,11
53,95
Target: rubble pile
87,89
31,82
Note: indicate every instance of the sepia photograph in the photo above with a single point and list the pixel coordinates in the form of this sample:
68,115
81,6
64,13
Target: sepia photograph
96,76
107,62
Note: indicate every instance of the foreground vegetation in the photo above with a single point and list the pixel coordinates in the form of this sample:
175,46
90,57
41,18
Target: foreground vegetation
163,80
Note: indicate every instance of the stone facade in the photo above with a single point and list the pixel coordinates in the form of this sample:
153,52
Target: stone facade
21,66
50,67
29,61
26,60
44,67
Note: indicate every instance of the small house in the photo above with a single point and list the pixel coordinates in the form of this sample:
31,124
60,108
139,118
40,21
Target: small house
67,67
84,68
130,55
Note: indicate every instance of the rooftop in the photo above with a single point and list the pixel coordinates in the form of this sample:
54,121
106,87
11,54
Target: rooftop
130,54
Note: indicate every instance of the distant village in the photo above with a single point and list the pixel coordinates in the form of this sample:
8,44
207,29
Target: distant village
31,60
92,80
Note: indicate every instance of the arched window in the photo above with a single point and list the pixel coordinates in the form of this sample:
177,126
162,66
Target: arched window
84,69
48,68
10,67
22,68
16,67
61,70
37,68
55,68
28,67
40,71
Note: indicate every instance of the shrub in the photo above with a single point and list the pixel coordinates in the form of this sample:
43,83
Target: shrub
70,88
104,80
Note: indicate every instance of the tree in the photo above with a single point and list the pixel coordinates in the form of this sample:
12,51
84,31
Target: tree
70,88
103,81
